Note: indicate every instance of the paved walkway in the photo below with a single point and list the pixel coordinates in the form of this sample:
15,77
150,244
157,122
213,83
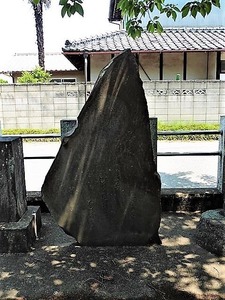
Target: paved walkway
58,269
184,172
188,171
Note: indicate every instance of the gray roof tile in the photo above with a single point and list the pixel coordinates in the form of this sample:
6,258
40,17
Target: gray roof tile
172,39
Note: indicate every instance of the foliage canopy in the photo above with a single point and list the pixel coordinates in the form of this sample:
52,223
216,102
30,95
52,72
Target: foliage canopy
2,81
38,75
135,10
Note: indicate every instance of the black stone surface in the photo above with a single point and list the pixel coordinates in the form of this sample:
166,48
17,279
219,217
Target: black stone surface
12,180
103,187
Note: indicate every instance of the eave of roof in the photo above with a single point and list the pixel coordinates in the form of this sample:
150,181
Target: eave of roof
171,40
54,62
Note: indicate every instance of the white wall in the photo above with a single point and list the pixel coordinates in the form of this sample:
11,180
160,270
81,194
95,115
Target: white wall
196,65
198,101
172,65
44,105
97,63
150,63
212,61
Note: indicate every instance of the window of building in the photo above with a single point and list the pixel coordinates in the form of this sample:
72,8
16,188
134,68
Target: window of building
63,80
222,66
222,63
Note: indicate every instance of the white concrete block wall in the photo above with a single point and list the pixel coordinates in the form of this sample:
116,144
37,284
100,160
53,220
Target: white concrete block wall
222,102
198,101
43,106
40,106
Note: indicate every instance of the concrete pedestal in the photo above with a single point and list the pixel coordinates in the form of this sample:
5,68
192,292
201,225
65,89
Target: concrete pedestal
210,231
19,224
12,180
19,236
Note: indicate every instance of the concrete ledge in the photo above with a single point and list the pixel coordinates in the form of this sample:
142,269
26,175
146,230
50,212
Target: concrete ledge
171,199
210,231
191,200
19,236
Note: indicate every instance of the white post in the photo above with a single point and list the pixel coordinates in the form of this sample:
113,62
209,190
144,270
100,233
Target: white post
85,74
221,162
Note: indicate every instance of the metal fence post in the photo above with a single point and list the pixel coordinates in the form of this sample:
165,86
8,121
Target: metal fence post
67,126
221,162
153,130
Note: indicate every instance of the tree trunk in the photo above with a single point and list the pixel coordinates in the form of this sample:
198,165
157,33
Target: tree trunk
38,16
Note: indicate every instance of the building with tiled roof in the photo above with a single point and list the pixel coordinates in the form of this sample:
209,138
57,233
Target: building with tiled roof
189,48
172,39
187,53
62,69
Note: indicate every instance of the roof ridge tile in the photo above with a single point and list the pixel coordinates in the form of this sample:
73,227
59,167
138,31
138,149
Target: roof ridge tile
171,39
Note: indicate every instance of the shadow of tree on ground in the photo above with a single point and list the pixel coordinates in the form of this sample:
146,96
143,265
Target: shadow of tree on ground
59,269
184,180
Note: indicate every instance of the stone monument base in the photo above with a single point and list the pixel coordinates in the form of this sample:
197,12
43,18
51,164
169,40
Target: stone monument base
210,231
19,236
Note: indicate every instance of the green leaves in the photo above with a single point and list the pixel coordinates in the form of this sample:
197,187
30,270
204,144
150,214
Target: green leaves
154,26
134,11
38,75
134,28
216,3
70,7
170,10
185,11
62,2
203,7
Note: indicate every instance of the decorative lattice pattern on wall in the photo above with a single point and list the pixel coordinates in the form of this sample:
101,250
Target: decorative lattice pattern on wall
200,92
176,92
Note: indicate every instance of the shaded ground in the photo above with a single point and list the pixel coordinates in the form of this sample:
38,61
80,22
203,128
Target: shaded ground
59,269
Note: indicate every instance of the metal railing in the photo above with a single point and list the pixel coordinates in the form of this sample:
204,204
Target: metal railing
153,125
194,132
35,137
220,153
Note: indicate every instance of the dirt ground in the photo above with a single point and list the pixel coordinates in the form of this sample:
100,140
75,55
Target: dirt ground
57,268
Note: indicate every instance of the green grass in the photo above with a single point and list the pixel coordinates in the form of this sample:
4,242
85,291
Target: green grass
29,131
171,126
33,131
188,126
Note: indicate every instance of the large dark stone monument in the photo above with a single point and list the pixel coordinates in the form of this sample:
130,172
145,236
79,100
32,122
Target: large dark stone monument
19,224
103,187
